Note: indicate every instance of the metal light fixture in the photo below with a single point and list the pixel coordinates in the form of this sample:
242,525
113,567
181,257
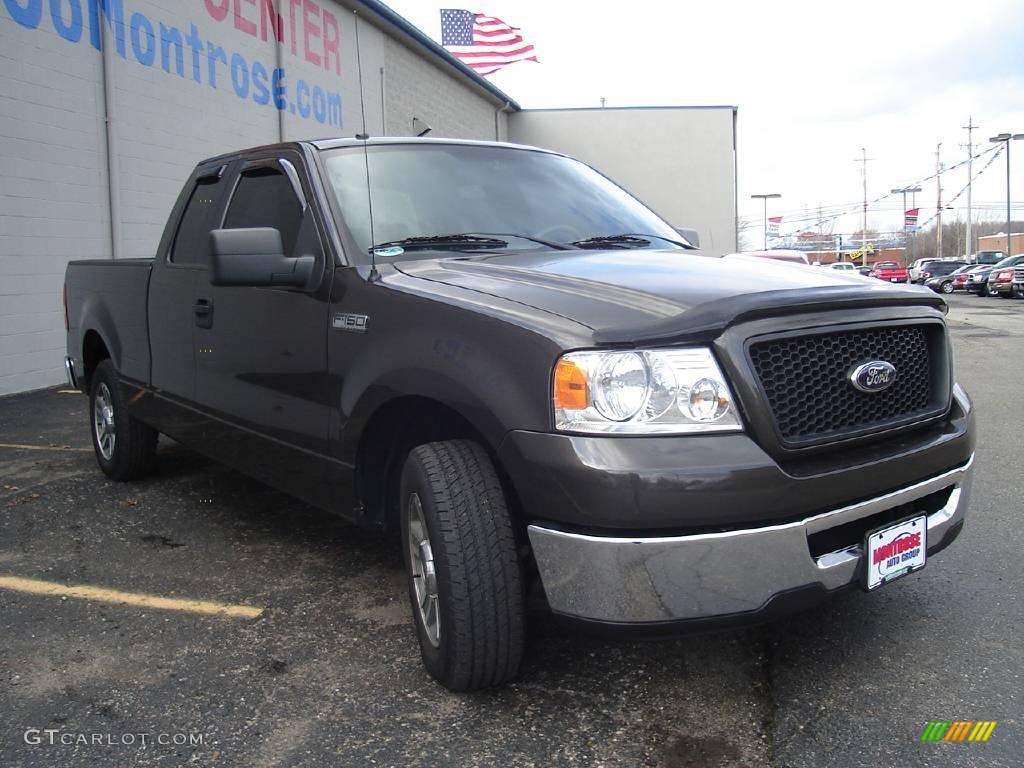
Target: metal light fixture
1005,138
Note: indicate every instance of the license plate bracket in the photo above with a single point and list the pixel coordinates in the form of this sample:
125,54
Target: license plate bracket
894,551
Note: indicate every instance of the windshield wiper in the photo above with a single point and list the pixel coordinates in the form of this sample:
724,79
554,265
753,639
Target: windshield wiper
628,240
442,241
546,243
468,240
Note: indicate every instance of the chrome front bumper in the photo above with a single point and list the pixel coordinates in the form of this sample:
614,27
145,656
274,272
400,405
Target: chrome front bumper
642,580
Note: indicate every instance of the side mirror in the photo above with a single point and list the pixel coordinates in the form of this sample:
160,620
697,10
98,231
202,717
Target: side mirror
690,235
255,257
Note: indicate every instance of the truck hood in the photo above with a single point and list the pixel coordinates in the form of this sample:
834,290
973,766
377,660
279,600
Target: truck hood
636,295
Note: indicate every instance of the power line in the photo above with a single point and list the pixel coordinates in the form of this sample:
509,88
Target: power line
851,208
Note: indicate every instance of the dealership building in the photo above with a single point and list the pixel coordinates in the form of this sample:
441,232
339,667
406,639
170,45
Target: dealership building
107,105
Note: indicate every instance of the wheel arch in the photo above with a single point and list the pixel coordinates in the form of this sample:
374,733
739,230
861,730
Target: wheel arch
391,428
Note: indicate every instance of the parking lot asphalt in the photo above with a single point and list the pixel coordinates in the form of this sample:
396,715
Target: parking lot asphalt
328,672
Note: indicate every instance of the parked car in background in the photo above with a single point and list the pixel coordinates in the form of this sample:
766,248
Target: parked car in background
917,268
939,269
1001,278
866,270
843,266
1018,281
935,268
960,278
945,282
891,272
977,282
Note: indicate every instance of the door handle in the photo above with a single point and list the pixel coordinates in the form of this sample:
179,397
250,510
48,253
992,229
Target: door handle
203,310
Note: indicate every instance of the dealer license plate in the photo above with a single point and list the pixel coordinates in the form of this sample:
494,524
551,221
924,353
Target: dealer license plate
895,551
894,279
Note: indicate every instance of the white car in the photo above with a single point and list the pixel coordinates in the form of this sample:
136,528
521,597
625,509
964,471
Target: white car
843,266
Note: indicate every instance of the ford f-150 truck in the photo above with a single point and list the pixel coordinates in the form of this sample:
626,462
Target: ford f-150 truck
540,385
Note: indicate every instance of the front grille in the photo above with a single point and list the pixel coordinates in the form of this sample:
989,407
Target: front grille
806,381
1018,274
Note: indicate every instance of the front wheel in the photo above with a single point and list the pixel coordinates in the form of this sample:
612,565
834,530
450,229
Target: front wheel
462,566
125,447
947,287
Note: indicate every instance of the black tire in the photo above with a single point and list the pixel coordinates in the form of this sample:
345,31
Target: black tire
479,588
985,292
132,452
947,287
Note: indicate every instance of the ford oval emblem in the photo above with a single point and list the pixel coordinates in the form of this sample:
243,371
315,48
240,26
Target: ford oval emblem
874,376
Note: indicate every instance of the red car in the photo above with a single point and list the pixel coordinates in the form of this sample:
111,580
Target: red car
891,272
960,281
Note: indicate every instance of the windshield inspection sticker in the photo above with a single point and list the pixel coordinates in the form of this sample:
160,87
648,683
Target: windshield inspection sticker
386,252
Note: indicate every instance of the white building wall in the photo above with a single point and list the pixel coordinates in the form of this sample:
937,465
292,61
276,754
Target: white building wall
54,195
681,161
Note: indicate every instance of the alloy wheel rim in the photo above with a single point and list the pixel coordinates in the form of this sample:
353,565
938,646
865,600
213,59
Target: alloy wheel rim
103,422
424,575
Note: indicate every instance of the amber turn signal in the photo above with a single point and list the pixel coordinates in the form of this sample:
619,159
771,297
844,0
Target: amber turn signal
570,386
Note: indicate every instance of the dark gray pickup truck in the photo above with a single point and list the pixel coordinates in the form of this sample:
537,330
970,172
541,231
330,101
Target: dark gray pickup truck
554,399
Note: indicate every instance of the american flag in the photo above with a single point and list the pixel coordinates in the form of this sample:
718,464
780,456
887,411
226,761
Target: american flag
484,43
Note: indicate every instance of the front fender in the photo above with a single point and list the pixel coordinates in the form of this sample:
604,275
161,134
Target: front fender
494,392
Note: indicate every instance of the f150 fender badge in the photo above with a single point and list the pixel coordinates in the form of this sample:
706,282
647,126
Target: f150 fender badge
873,376
349,322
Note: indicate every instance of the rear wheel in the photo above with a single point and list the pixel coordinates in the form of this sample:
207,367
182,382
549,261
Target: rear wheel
125,447
462,566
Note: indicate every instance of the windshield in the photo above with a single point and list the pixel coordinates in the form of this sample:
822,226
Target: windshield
1009,261
442,189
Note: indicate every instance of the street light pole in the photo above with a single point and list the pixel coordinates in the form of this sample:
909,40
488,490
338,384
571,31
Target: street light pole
773,195
1005,138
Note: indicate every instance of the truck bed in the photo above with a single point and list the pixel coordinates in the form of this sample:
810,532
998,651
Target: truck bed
110,296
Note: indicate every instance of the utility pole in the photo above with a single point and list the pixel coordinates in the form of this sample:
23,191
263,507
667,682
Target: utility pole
970,179
938,184
863,160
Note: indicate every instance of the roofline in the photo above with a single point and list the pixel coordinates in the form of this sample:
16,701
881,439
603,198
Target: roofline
345,141
392,18
629,109
340,142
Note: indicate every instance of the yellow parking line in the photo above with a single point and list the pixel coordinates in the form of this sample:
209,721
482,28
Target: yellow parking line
34,587
19,447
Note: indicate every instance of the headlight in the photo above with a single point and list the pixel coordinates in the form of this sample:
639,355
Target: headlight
663,391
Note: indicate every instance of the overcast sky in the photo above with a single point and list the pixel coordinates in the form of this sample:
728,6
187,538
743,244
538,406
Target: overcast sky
814,82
